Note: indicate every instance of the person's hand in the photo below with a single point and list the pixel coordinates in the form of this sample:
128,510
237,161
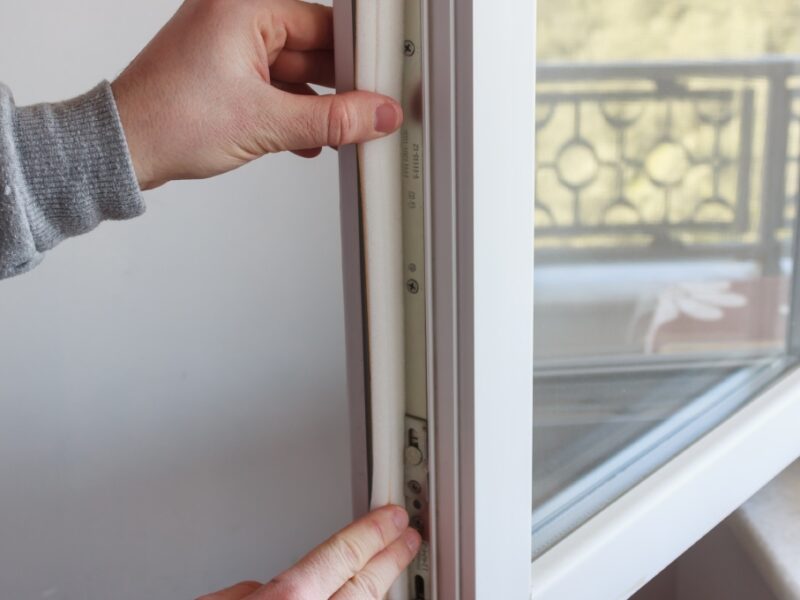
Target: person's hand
359,563
226,81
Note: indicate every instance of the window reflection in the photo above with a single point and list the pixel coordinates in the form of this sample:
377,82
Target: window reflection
668,160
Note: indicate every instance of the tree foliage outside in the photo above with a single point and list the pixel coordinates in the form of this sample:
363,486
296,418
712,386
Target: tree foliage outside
614,30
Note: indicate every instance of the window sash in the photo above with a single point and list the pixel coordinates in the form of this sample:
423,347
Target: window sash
479,168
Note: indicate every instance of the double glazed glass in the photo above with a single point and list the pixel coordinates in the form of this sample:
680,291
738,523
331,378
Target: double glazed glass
668,158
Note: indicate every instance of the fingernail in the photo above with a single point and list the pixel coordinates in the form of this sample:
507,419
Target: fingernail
412,540
400,518
386,118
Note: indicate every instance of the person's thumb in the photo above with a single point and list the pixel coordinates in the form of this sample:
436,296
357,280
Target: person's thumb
303,121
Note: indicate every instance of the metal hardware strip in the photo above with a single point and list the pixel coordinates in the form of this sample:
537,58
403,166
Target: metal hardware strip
417,489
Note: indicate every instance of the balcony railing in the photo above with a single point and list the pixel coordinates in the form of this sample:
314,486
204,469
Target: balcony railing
673,159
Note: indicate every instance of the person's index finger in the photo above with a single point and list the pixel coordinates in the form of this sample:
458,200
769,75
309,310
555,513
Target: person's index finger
326,568
378,575
308,26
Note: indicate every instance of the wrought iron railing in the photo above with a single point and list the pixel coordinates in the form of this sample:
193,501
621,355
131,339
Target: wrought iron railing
669,158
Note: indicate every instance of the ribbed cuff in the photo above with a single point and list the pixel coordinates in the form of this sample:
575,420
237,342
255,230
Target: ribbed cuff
76,166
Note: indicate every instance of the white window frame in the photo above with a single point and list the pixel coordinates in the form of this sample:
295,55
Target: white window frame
479,167
481,177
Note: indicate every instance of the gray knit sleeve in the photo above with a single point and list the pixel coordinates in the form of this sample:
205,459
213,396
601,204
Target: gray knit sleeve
64,168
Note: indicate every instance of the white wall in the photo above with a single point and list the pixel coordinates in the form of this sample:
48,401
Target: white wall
172,394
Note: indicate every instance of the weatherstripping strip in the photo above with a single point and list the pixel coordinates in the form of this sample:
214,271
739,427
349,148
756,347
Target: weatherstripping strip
379,37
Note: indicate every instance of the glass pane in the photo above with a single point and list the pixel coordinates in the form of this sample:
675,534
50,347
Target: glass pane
668,159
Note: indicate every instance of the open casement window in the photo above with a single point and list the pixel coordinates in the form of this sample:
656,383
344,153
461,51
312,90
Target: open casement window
549,409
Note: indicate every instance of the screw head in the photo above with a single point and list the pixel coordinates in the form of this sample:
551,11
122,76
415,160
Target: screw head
412,285
418,524
409,48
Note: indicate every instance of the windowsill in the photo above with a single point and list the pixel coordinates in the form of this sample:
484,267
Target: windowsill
768,527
